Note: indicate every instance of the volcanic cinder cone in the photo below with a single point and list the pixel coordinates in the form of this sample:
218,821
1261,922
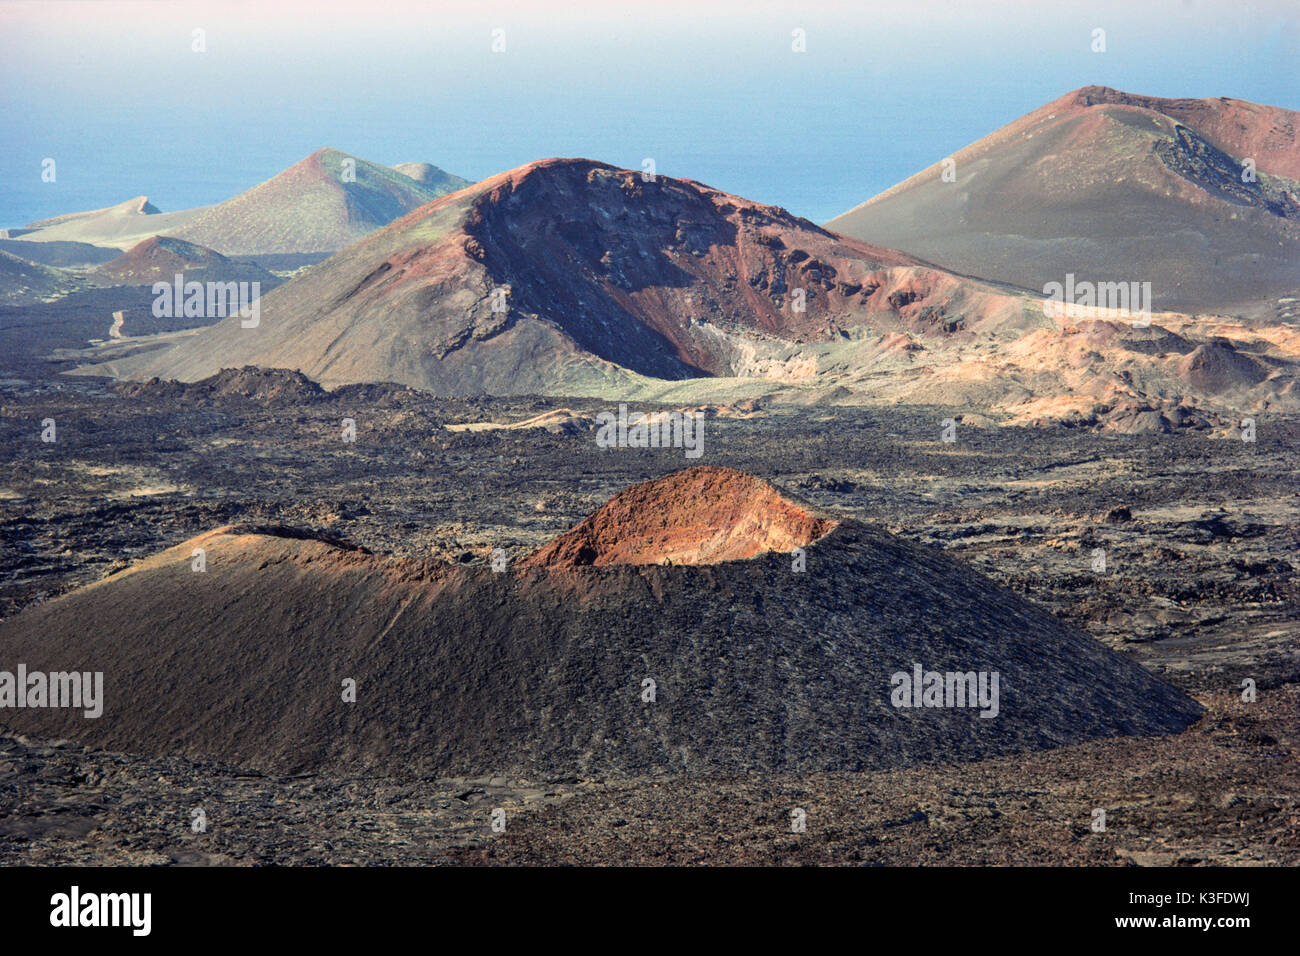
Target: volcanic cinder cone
320,204
1114,187
593,657
162,258
571,277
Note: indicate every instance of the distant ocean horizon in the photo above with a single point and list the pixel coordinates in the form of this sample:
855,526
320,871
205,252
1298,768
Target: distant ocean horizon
718,94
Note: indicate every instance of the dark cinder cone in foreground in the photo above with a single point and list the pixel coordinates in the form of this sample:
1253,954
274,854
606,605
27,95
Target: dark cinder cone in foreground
542,669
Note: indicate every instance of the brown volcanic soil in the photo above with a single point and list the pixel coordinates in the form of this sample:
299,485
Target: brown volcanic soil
1115,187
702,515
1222,794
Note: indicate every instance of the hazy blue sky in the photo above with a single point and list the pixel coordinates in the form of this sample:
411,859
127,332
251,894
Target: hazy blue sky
712,91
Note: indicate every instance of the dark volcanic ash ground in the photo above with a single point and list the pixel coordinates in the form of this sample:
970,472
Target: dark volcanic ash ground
1198,533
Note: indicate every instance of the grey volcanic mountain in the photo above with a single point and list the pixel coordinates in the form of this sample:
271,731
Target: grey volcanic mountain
431,177
23,282
568,276
1115,187
120,226
663,635
321,204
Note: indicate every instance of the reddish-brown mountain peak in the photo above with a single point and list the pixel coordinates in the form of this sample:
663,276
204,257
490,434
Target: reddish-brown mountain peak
161,258
702,515
1090,100
165,247
325,166
576,163
1095,95
578,172
1270,135
567,169
314,165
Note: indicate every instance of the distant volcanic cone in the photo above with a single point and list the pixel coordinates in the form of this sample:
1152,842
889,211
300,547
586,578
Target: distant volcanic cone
161,259
584,659
1114,187
321,203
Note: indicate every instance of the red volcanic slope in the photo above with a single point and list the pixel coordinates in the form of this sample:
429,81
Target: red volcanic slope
702,515
1268,134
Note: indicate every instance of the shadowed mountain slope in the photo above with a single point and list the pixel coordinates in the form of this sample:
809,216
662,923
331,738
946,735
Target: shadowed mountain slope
23,282
59,254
